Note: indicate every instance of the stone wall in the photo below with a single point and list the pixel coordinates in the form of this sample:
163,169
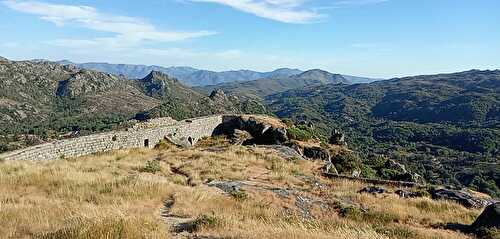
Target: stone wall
186,132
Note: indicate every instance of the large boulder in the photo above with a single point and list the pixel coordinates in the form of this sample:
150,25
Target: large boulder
490,218
283,151
337,138
373,190
240,137
391,164
264,130
462,197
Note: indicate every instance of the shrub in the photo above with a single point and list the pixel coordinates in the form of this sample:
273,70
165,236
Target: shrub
346,162
152,166
288,122
299,134
239,195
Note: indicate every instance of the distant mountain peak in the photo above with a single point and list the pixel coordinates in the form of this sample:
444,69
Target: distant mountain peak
323,76
158,75
2,59
314,72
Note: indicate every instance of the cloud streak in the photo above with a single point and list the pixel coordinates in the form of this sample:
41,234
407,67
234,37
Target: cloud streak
129,31
287,11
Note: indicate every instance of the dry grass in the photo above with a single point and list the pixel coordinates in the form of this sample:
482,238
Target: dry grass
112,196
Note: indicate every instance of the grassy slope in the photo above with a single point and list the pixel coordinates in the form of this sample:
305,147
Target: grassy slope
114,195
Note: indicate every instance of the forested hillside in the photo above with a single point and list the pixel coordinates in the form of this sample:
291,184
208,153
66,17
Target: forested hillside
444,126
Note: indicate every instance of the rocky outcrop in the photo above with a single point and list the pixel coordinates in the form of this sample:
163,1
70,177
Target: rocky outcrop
283,151
373,190
465,198
218,94
490,218
240,137
263,129
337,138
410,194
402,173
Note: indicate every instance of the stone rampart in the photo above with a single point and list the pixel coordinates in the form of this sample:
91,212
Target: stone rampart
186,132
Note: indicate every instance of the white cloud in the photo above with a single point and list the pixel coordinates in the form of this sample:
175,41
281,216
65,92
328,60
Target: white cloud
287,11
129,31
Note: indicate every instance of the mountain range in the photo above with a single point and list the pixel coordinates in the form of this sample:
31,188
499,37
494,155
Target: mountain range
445,127
263,87
196,77
45,98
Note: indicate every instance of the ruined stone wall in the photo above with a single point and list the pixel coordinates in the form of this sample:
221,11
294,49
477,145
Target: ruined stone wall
186,132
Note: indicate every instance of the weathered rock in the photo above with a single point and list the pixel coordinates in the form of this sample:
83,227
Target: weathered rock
330,168
263,132
317,153
409,194
391,164
283,151
218,94
490,218
373,190
229,187
337,138
460,196
240,137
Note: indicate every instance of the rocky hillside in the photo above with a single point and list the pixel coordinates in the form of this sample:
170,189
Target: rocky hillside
260,88
42,100
223,189
445,127
181,102
33,91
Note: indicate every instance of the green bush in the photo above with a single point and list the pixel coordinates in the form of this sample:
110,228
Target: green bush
302,133
347,161
152,166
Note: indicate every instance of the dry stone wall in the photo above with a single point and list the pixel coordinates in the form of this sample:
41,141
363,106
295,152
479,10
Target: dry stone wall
186,132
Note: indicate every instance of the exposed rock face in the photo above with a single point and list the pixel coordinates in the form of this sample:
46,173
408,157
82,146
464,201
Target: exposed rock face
391,164
490,218
263,132
240,137
460,196
218,94
373,190
337,138
408,194
284,151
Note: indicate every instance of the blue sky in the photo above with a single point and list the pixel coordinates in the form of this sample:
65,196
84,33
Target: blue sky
376,38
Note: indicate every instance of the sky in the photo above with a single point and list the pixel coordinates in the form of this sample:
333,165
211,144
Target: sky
372,38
